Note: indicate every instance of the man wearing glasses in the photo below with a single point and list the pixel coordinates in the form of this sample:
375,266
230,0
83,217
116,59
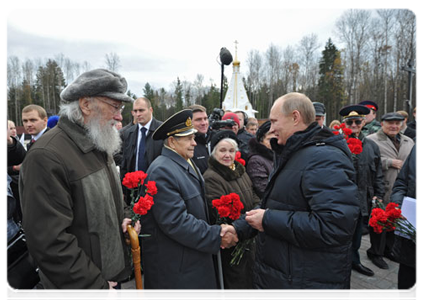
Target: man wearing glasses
369,177
138,148
71,194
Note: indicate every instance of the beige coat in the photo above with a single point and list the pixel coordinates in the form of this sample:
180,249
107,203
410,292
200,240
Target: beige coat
388,152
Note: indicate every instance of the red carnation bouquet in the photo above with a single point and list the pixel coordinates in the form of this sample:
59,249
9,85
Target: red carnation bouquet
239,159
134,181
355,145
391,219
229,209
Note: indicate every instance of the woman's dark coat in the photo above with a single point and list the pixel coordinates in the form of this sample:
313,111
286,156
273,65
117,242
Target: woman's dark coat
260,164
221,180
311,212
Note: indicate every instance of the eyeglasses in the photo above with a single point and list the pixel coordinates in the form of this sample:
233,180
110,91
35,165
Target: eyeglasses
350,122
117,107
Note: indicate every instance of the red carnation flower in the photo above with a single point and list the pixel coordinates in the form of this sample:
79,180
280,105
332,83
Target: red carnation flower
151,188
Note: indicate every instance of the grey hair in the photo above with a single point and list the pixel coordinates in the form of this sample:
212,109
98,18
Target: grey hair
72,111
230,141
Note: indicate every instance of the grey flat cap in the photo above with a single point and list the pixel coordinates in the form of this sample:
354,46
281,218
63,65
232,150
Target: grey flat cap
392,116
99,82
319,108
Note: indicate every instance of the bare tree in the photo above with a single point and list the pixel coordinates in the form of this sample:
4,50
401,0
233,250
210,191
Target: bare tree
112,62
352,29
307,61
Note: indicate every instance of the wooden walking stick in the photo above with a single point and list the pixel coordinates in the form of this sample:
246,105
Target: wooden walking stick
136,255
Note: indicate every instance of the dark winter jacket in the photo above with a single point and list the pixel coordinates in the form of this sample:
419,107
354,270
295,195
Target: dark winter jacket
260,164
405,185
221,180
311,213
369,175
178,254
73,210
201,152
244,137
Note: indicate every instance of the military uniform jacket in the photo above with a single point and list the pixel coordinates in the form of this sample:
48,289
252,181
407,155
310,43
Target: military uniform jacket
371,127
178,254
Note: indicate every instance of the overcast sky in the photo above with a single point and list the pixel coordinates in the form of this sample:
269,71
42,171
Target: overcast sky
158,44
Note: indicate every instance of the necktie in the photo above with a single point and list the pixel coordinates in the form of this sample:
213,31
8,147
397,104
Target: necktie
142,165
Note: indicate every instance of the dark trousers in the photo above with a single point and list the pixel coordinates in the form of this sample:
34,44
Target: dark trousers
380,243
356,240
406,277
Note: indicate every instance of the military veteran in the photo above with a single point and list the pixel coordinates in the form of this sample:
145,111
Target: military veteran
179,252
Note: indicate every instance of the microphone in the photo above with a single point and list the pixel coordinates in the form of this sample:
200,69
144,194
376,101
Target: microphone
225,56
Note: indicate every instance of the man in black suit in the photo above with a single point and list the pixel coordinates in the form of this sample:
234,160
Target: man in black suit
34,119
416,123
138,148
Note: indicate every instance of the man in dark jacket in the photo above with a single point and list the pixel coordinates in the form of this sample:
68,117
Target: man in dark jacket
72,204
138,148
310,207
200,121
179,252
404,248
416,123
372,125
369,177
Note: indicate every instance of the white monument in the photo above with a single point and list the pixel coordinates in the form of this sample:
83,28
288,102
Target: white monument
236,98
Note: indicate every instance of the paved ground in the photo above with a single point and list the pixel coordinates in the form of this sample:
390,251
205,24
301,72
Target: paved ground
383,279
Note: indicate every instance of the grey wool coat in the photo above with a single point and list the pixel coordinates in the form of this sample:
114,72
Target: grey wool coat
388,152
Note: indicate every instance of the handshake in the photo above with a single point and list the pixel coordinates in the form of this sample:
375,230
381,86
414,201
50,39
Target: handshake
229,236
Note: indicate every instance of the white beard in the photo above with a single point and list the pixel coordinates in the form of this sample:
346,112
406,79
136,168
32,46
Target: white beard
105,137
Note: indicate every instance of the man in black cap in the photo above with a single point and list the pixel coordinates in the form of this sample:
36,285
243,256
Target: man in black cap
71,194
320,113
372,125
179,253
394,148
369,178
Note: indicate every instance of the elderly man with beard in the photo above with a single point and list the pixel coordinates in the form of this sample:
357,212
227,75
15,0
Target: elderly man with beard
72,203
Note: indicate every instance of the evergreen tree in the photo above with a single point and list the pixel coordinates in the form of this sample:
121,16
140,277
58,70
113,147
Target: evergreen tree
49,83
178,94
331,81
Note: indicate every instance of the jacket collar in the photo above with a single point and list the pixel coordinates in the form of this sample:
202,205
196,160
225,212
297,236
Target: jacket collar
182,162
226,172
77,134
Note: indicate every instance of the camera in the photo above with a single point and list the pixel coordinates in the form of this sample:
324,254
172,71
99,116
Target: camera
215,120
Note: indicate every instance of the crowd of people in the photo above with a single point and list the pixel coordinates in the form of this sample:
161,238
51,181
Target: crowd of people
306,197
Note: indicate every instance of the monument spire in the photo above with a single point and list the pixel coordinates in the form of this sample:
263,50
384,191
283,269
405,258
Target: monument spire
236,98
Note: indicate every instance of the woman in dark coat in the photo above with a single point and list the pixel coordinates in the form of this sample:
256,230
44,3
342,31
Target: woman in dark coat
260,161
224,176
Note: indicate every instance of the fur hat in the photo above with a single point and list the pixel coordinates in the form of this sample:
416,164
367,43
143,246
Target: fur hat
99,82
263,129
220,135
